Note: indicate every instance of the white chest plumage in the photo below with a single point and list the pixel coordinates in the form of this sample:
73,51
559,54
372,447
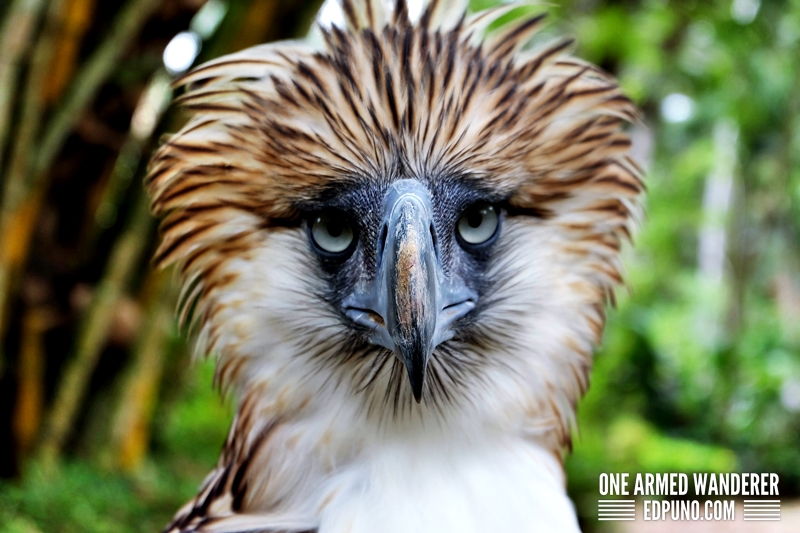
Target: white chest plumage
339,474
503,486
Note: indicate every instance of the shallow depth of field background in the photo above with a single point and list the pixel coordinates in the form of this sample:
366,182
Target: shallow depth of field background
105,425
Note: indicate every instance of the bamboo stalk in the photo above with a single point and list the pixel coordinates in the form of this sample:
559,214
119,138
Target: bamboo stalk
134,412
148,112
15,37
76,21
29,166
30,383
94,329
125,255
17,197
90,78
16,185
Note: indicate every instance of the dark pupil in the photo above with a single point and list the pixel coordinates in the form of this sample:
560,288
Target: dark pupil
335,228
474,218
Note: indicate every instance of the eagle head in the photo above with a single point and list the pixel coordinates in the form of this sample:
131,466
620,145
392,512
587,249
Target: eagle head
404,224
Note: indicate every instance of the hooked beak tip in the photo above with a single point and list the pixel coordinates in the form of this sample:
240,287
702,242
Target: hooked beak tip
416,375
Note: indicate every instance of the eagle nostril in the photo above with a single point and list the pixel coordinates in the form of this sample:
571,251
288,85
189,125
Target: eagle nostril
434,241
365,317
382,242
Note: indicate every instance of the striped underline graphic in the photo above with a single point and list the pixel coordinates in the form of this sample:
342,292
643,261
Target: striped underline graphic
762,510
616,510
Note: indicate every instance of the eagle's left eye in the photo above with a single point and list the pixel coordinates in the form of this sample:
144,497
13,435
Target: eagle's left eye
478,224
332,232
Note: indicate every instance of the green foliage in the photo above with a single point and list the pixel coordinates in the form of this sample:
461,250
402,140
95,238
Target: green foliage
198,424
83,497
700,372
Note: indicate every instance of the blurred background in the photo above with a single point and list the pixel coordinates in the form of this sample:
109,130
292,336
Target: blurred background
105,425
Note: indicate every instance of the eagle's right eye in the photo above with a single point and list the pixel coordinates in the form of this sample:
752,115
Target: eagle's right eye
332,232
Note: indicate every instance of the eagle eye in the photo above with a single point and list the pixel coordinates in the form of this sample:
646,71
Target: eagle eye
478,224
332,232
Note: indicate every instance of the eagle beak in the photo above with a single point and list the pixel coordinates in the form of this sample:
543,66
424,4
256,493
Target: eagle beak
409,268
411,306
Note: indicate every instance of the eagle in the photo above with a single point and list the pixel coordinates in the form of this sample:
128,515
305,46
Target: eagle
398,239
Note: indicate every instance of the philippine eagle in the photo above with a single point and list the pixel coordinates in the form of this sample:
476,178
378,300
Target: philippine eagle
398,241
